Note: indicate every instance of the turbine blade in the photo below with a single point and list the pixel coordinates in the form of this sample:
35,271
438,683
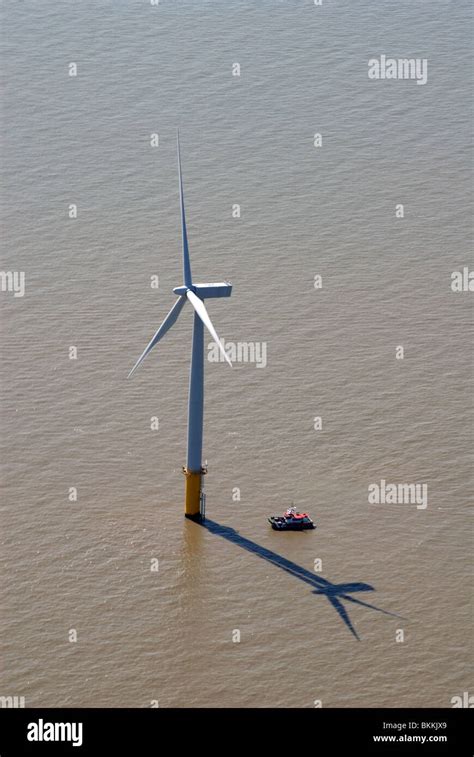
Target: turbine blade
186,263
200,309
171,318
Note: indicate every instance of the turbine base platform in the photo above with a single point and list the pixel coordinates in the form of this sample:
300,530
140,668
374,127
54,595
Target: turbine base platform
193,494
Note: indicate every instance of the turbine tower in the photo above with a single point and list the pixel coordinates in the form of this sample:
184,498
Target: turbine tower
195,294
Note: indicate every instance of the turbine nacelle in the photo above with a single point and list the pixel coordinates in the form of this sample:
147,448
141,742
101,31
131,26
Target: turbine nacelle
206,291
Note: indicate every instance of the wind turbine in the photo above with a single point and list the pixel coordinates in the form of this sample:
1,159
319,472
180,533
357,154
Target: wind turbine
195,294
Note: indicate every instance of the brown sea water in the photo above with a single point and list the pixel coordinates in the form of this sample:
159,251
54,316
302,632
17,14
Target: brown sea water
86,565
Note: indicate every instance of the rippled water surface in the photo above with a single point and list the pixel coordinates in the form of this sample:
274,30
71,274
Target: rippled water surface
330,211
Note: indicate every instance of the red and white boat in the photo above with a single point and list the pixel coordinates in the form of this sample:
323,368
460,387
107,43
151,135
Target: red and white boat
291,520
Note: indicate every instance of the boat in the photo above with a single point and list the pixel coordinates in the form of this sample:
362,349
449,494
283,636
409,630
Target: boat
291,520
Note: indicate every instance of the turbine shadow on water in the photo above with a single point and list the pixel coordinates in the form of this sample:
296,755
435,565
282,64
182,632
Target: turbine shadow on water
333,592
